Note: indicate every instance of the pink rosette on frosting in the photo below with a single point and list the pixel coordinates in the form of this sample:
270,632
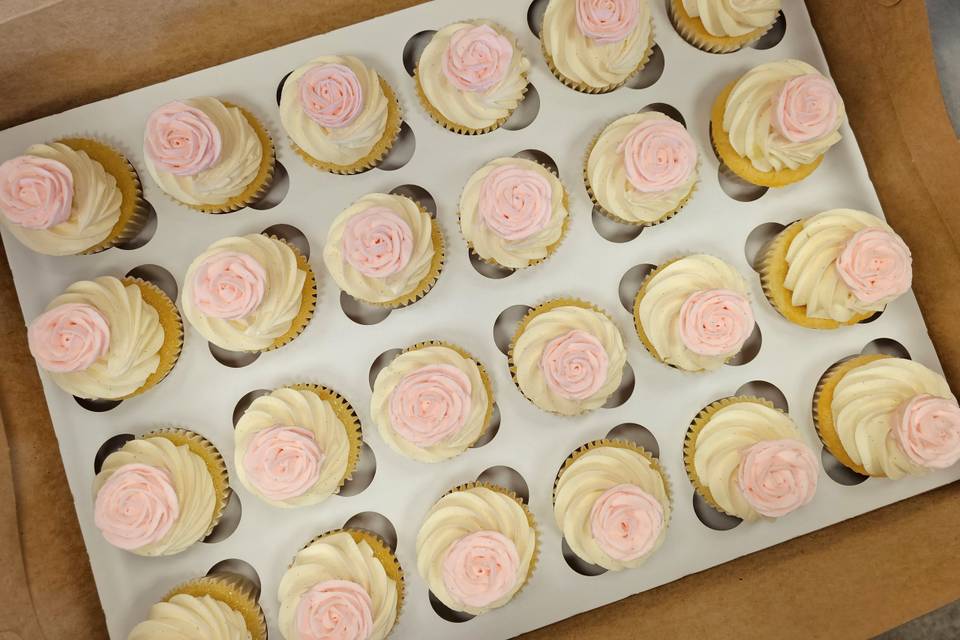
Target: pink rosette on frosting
574,365
927,428
476,58
181,139
35,192
515,203
136,506
715,322
330,95
805,108
430,404
658,155
607,21
229,285
335,610
626,522
283,462
481,568
377,242
69,337
875,264
777,476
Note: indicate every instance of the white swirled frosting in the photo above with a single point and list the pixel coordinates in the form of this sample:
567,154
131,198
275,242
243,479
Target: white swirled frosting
732,18
190,479
583,60
186,617
338,556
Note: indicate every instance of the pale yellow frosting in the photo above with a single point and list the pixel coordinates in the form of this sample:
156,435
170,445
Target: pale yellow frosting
186,617
731,18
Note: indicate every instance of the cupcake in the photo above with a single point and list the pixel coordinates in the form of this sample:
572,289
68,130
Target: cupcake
249,293
432,402
772,126
477,548
612,503
161,493
567,357
693,313
471,76
209,155
384,250
220,607
836,268
594,46
344,584
297,445
108,338
719,26
748,459
341,115
513,213
71,197
887,417
641,169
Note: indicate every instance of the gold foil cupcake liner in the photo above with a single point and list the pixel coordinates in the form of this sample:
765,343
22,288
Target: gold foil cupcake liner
692,30
429,280
232,591
347,416
172,326
379,150
308,302
585,88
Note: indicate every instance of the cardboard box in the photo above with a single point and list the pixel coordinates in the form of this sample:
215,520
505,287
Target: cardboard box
854,579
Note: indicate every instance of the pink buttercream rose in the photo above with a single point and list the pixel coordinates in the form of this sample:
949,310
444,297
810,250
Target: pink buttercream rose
875,264
927,428
136,506
335,610
715,322
229,285
35,192
515,203
330,95
377,242
658,155
574,365
481,568
805,108
626,522
69,337
777,476
283,462
606,21
477,58
430,404
181,139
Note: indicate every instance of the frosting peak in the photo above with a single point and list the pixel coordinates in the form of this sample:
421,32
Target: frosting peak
335,610
927,428
626,522
69,337
875,264
715,322
805,108
229,285
430,404
283,462
377,242
481,568
515,203
574,365
777,476
477,58
607,21
659,155
181,139
35,192
330,95
136,506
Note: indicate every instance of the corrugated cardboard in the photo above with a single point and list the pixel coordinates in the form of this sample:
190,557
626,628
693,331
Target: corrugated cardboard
851,580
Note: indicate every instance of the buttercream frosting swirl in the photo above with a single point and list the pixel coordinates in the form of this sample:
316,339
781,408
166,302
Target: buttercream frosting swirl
430,404
481,568
70,337
35,192
805,108
187,617
733,18
574,365
607,21
476,58
777,476
514,202
136,506
876,265
626,522
377,242
331,95
283,462
715,322
181,139
229,285
334,610
927,428
658,155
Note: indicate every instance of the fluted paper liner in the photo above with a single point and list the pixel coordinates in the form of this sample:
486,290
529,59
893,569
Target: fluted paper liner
307,305
172,326
231,590
692,30
585,88
347,416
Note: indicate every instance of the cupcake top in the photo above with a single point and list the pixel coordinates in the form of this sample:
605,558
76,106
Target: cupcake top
612,505
568,358
752,459
431,403
187,617
153,498
476,548
243,293
597,44
201,151
695,312
58,201
513,211
337,587
781,115
732,19
473,73
334,109
844,263
291,448
98,339
380,248
896,417
642,167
